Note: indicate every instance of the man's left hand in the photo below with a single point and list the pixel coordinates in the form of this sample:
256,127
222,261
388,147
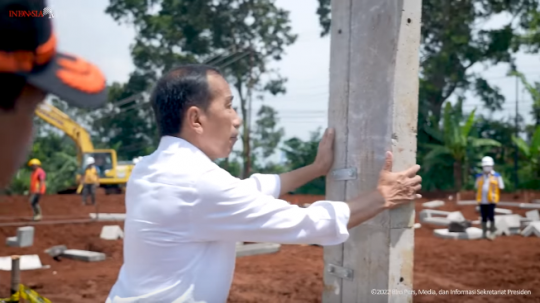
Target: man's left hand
325,153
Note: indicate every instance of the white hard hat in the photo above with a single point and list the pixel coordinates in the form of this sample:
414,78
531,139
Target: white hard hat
89,160
487,161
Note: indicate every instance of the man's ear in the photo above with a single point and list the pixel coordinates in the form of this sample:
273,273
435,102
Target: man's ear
193,119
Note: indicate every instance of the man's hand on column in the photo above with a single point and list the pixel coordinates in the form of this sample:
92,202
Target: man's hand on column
325,153
400,187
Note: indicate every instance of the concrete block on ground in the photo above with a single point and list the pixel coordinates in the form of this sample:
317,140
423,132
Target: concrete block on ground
107,217
532,230
535,201
24,238
455,216
507,224
502,228
12,241
111,232
433,204
417,225
256,249
26,262
472,233
533,215
83,255
56,250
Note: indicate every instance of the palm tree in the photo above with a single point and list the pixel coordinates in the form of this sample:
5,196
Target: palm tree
454,142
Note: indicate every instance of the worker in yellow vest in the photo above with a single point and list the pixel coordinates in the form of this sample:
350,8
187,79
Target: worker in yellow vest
488,185
90,180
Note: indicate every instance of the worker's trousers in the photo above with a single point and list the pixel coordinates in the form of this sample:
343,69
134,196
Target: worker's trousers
89,189
34,202
487,212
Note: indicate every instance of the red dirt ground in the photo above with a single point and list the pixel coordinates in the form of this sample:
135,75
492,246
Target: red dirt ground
294,274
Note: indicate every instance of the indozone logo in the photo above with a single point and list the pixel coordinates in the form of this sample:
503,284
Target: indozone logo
20,13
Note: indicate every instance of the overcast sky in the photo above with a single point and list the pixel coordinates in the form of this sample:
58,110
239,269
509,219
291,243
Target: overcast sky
83,28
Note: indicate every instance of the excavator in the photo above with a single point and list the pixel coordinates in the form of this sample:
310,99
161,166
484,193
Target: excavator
115,174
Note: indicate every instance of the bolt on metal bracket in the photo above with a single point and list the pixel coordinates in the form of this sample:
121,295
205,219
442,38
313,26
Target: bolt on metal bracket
344,174
340,272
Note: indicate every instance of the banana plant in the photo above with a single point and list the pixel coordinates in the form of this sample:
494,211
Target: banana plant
454,141
531,152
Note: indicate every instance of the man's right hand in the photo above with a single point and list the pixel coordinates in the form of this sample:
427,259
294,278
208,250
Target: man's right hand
400,187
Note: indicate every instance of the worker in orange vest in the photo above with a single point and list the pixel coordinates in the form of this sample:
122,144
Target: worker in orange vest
488,186
37,186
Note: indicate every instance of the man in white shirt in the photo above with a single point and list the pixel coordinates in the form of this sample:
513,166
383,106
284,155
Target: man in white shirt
185,214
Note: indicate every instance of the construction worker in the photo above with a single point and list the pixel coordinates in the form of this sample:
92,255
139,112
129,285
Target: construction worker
90,180
30,68
37,186
488,185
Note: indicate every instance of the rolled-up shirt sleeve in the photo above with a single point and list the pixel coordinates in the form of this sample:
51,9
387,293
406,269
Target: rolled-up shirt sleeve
229,209
266,184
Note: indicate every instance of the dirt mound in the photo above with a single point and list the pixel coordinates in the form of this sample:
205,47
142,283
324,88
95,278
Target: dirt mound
292,275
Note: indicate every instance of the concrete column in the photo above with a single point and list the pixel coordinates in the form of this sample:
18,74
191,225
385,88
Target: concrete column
373,106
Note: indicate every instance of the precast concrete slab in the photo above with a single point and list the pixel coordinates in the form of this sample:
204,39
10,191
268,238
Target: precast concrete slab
472,233
529,206
417,225
256,249
26,262
503,211
435,217
107,217
467,203
512,221
83,255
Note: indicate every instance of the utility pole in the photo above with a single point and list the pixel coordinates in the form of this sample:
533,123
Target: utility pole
516,152
373,107
247,119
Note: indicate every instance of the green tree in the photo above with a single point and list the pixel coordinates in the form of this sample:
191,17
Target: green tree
266,136
239,36
455,143
126,122
301,153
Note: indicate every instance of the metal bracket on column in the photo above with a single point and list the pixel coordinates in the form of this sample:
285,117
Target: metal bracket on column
340,272
344,174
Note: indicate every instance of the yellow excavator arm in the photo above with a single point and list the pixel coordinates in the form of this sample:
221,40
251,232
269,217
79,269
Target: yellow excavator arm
113,174
63,122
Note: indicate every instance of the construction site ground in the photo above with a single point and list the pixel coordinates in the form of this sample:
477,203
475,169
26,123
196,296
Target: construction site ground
294,274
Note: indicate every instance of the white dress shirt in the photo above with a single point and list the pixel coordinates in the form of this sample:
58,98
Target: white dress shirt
184,215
